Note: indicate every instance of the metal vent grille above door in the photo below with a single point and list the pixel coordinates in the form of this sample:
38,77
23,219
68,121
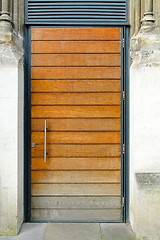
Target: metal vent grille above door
77,12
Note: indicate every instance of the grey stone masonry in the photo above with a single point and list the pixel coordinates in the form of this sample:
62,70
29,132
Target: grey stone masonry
144,15
5,22
12,22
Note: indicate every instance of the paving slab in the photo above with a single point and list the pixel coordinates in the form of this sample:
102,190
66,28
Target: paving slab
29,231
73,231
116,231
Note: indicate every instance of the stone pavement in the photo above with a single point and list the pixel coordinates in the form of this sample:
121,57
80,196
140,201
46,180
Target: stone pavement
73,231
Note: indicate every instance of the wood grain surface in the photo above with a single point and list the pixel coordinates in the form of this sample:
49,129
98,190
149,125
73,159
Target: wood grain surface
84,215
76,46
92,189
76,60
76,176
76,98
76,73
75,150
76,34
77,137
76,111
75,202
85,125
76,86
76,164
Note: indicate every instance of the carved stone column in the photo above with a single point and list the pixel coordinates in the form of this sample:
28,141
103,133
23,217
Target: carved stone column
148,20
137,15
5,22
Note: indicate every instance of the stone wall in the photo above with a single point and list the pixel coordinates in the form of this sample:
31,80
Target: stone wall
145,121
11,116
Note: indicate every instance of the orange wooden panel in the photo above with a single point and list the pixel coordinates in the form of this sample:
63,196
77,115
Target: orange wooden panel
69,150
76,98
75,111
76,137
76,164
76,85
76,46
76,33
76,177
76,59
95,189
76,72
77,124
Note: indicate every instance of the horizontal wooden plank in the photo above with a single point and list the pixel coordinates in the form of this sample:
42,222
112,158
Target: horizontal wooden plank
76,98
76,47
76,111
76,176
76,202
76,85
76,73
76,189
109,150
76,60
76,215
76,33
76,137
76,164
112,124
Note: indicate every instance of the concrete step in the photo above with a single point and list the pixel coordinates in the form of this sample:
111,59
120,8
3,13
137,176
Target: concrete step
116,231
88,231
73,231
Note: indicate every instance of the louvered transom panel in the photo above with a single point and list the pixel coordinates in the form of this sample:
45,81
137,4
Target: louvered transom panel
77,11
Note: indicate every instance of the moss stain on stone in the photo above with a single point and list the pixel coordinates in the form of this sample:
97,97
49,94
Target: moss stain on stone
10,230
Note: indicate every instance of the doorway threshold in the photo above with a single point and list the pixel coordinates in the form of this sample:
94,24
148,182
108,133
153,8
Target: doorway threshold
74,231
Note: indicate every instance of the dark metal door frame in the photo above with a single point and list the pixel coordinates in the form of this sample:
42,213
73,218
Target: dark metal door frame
124,120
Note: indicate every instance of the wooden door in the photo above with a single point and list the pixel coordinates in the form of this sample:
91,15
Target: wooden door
76,88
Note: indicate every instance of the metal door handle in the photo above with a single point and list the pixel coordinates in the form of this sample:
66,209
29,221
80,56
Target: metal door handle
45,141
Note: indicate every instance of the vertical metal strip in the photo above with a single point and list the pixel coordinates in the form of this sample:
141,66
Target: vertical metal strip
124,119
27,126
127,122
122,123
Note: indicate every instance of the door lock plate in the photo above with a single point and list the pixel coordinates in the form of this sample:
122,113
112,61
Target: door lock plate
33,145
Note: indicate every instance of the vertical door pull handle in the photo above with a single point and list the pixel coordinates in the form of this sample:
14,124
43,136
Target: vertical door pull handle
45,141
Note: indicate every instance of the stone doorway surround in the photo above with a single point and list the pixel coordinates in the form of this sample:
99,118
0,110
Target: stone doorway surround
144,118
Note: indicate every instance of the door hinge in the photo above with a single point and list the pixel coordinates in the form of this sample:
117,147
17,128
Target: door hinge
33,145
124,96
123,148
123,42
123,202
